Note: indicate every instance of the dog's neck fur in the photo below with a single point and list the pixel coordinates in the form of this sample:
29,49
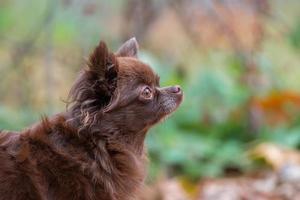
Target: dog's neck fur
105,129
134,139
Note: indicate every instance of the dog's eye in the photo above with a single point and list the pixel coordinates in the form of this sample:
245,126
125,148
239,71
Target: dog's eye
147,93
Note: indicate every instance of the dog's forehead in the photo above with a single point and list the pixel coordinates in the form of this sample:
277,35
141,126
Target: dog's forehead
134,69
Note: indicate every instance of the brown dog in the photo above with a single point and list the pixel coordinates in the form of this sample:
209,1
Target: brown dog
94,150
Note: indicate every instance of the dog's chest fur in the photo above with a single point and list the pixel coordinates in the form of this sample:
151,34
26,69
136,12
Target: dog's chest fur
54,163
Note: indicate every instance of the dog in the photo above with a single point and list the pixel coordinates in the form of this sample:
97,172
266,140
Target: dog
95,149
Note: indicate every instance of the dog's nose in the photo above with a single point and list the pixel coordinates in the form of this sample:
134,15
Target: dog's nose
176,89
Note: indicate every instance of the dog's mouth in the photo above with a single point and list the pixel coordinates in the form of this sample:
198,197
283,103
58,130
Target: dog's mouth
171,104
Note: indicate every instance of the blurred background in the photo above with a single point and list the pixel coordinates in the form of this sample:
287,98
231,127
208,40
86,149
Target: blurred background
237,133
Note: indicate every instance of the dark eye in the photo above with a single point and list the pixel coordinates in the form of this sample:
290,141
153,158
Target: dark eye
147,93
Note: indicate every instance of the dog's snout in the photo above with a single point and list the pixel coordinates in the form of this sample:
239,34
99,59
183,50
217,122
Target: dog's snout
172,89
175,89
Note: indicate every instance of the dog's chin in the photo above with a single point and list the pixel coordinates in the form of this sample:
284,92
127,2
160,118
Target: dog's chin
169,108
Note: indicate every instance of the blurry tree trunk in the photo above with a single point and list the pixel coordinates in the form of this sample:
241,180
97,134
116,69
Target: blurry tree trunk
138,16
25,48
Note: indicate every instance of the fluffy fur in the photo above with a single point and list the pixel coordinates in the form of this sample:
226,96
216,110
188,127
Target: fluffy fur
95,149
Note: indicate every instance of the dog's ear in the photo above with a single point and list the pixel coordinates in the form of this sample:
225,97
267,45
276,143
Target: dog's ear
129,49
104,64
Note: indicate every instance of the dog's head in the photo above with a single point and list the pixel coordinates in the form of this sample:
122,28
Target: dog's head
122,90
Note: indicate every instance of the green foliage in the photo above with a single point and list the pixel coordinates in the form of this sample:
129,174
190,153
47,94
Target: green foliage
64,32
295,36
5,19
16,120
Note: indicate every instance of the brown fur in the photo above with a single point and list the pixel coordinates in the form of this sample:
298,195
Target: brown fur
95,149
